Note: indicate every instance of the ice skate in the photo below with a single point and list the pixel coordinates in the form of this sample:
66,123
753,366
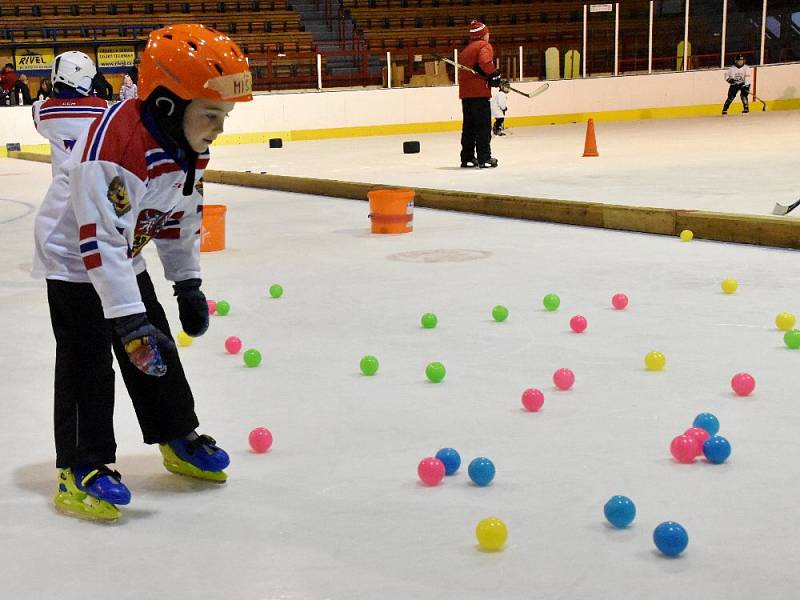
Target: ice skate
488,164
91,493
199,458
469,164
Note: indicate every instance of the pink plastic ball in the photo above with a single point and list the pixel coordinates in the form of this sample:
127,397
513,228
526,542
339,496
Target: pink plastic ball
578,324
532,399
619,301
430,470
699,435
233,344
260,439
743,384
212,306
563,379
684,449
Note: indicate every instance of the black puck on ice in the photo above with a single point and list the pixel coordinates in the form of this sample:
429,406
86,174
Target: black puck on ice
410,147
276,143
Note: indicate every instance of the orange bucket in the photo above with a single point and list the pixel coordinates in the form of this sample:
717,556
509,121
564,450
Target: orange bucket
391,211
212,232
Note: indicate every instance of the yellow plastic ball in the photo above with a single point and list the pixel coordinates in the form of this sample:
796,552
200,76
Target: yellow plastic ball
184,339
729,285
785,321
687,235
655,361
492,533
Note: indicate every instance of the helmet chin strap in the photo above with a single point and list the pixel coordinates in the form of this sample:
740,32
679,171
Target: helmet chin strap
168,110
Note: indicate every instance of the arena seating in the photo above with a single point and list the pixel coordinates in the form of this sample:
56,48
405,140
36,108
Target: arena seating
258,26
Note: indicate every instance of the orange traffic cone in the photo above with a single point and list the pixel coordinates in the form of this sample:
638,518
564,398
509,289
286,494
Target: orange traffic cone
590,147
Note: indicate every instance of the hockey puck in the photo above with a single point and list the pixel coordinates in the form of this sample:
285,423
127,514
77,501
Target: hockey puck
410,147
276,143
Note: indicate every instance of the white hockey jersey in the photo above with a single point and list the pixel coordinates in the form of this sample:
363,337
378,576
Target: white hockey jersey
499,104
739,75
118,190
63,120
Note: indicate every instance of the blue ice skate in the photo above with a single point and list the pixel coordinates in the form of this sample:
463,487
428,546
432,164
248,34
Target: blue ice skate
91,493
200,458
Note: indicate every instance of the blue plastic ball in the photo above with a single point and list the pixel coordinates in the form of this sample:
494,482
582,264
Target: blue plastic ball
708,422
620,511
481,471
717,449
670,538
451,459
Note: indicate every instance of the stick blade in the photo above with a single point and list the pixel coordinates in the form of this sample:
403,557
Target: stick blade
780,209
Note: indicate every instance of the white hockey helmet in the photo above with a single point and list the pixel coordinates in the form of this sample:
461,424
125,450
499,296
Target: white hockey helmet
74,69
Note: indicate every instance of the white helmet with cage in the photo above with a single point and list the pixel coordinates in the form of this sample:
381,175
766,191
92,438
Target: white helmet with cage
74,69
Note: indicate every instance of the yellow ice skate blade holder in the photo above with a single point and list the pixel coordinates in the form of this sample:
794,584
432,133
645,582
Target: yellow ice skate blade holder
176,465
71,500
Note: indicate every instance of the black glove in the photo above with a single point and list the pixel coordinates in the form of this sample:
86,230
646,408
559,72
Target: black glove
504,111
192,307
144,343
495,80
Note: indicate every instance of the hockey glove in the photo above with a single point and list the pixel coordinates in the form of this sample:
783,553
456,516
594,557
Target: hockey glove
144,343
495,80
192,307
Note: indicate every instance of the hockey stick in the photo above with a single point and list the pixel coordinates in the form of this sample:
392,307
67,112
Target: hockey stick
781,210
541,89
763,104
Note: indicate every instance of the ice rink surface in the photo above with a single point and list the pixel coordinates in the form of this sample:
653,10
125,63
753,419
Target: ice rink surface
739,163
334,510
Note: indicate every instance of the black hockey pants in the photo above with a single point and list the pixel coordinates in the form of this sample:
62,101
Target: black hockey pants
737,88
84,378
476,133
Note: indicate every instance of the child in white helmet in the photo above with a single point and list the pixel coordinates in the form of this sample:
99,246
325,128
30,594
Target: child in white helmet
64,116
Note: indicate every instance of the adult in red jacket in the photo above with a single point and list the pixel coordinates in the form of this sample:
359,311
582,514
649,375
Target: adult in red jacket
475,93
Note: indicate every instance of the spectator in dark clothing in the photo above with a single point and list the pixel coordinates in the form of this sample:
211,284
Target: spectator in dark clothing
45,89
134,73
22,93
101,87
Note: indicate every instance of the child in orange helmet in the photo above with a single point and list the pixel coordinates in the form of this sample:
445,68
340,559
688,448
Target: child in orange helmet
131,179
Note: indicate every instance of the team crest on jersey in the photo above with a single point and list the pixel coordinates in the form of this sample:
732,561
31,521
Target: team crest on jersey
118,196
147,227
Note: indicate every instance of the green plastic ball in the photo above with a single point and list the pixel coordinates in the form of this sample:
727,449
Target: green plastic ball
792,339
551,302
435,372
223,308
429,321
500,313
275,290
252,357
369,365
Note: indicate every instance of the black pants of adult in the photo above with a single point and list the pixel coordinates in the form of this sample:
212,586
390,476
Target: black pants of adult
476,133
84,378
737,88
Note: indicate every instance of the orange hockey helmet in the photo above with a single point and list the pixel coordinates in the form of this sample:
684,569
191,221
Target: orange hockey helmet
195,61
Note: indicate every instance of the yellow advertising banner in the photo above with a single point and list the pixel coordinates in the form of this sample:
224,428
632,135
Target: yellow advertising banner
116,56
34,59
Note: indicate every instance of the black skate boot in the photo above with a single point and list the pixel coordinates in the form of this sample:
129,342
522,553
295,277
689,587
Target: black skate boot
469,164
488,164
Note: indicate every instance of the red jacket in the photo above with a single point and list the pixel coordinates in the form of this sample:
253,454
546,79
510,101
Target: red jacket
478,55
8,79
